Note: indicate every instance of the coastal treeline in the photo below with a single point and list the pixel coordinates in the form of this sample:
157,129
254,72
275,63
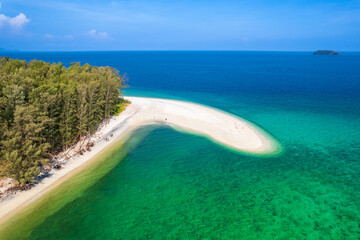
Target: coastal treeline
45,108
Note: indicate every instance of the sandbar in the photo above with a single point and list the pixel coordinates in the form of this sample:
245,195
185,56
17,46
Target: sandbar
221,127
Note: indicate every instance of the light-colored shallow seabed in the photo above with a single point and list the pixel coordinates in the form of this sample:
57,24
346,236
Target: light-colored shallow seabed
67,189
184,186
218,126
237,134
180,186
199,190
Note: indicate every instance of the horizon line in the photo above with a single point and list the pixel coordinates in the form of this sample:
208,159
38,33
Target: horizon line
173,50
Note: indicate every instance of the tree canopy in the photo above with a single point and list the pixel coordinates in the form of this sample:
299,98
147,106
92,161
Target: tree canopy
45,108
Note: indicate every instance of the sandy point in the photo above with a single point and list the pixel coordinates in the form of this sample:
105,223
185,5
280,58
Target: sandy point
221,127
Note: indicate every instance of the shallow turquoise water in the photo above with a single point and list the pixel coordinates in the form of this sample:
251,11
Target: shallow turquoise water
173,185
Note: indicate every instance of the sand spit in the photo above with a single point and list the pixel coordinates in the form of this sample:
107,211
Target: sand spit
219,126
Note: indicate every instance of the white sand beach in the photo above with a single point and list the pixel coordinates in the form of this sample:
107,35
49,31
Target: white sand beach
219,126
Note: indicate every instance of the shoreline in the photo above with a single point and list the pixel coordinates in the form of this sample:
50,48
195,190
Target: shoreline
219,126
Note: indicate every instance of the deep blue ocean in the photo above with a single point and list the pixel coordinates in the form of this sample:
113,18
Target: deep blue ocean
172,185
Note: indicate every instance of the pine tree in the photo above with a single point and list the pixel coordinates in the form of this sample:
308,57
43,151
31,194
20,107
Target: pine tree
25,147
45,108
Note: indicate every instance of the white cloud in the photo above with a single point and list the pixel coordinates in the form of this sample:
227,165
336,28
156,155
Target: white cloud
92,32
16,22
19,21
98,35
49,36
3,19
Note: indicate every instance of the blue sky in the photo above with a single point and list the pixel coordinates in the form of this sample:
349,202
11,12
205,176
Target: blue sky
79,25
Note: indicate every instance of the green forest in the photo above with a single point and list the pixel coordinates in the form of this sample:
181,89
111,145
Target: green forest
45,108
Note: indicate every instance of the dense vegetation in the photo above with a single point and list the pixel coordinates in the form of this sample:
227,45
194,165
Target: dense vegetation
45,108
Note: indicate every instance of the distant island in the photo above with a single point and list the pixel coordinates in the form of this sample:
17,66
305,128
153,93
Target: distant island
326,52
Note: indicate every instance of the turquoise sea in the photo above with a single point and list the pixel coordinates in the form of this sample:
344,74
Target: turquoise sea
164,184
